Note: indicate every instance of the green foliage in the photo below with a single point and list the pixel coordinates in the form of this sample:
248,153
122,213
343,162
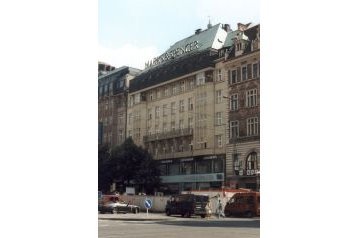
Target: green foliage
104,175
130,165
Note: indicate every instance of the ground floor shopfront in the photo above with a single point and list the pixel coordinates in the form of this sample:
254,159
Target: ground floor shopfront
193,173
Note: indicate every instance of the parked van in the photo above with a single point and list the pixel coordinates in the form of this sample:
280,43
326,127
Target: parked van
243,204
188,205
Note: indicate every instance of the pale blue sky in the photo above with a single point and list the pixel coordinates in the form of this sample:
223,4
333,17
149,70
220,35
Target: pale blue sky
134,31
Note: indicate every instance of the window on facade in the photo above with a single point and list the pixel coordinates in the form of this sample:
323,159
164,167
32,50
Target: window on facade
157,112
172,106
174,169
234,129
157,131
203,167
252,161
181,106
187,167
254,71
181,124
151,96
130,118
129,133
218,96
218,166
165,112
166,91
244,73
236,163
175,88
251,98
172,124
252,126
190,104
218,75
191,83
200,78
190,122
165,128
218,117
249,71
149,113
233,76
163,169
234,102
182,86
219,142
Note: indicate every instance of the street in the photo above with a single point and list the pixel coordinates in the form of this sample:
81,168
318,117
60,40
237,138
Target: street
180,227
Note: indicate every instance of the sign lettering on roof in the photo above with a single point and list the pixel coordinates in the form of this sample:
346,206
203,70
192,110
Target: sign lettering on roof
173,54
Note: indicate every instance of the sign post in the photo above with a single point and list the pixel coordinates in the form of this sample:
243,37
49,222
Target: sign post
148,204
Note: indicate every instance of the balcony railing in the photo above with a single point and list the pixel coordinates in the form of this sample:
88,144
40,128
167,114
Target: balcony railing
169,134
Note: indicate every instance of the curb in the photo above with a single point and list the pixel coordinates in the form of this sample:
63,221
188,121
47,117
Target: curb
134,219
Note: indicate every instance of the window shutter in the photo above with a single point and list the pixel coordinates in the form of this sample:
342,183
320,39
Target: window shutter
229,76
238,74
249,71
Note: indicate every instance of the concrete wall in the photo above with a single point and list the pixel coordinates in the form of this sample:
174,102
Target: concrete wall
159,202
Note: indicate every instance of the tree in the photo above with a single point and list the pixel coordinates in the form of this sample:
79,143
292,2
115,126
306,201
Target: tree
132,165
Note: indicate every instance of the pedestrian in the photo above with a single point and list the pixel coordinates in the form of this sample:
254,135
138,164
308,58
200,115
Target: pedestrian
220,208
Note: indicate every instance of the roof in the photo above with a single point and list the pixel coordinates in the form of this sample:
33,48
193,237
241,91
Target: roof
230,36
122,71
211,38
173,69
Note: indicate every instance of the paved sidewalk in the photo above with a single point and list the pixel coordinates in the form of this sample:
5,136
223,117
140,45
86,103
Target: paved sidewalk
142,216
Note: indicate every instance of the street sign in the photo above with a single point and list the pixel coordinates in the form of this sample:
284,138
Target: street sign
148,203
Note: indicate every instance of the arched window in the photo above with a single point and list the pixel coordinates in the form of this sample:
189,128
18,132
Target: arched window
252,161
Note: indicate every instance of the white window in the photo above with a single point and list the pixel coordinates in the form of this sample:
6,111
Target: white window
157,131
173,107
219,142
234,102
244,73
200,78
190,104
151,96
251,98
252,126
218,96
157,112
234,129
165,112
219,118
181,106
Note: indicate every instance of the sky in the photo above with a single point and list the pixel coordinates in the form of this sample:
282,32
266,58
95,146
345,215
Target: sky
132,32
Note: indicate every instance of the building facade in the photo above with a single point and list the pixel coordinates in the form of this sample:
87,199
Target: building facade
112,104
239,64
177,111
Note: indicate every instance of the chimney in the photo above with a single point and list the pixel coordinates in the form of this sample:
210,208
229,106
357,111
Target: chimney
242,27
226,27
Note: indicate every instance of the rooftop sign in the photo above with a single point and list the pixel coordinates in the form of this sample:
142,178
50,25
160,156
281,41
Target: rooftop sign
172,54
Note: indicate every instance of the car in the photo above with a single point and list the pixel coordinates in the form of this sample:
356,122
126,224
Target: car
188,205
118,207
